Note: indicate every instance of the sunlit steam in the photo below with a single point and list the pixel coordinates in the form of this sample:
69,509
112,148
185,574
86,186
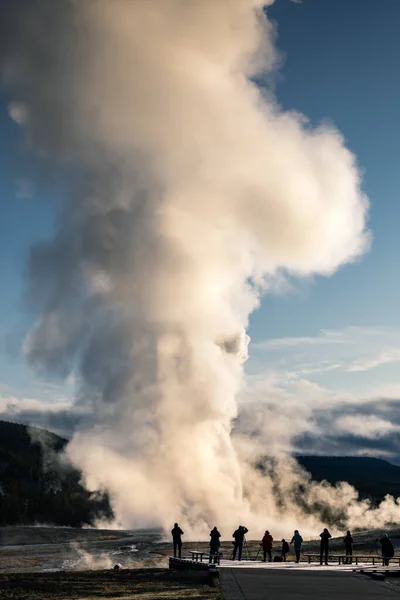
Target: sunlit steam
191,192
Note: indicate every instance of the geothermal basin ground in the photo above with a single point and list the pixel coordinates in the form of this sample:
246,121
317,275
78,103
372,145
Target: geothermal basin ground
46,549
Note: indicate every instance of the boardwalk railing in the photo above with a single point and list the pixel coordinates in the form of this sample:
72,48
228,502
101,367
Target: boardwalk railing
343,559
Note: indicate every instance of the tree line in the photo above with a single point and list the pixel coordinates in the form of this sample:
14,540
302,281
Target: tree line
35,487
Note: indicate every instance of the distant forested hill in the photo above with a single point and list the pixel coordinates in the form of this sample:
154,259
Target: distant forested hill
372,477
36,487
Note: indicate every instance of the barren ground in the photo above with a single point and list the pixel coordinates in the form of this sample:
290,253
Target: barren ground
143,584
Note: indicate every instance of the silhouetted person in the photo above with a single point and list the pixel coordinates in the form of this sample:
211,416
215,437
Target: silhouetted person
285,550
177,539
297,540
348,544
324,548
238,535
387,550
266,544
214,542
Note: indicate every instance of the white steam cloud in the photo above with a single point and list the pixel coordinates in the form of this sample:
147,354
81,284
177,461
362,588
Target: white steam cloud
191,191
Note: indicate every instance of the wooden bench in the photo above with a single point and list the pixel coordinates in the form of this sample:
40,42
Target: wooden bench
197,556
342,558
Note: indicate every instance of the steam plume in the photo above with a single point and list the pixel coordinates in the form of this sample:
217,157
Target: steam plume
191,191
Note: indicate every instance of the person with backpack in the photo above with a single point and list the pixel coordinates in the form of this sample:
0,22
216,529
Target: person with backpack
297,540
387,550
348,544
324,547
285,550
266,544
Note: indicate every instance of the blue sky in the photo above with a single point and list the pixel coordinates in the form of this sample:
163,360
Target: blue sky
340,64
341,61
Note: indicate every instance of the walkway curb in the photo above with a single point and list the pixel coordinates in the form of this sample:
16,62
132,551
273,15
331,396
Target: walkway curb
231,590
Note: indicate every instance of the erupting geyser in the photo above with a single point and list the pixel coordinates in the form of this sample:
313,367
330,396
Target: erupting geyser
190,191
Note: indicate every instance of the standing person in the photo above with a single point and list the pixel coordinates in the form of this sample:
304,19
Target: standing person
238,543
214,542
348,544
387,550
297,540
285,550
324,548
266,544
177,539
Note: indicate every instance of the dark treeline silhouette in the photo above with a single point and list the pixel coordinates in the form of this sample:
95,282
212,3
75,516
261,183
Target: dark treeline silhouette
34,489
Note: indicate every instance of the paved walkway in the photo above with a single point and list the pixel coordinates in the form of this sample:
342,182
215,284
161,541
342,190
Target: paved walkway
306,566
278,584
302,566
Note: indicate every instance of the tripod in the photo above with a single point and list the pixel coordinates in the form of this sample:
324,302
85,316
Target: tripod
246,548
376,550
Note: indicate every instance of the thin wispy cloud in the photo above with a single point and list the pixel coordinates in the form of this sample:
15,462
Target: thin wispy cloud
325,337
365,364
350,350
